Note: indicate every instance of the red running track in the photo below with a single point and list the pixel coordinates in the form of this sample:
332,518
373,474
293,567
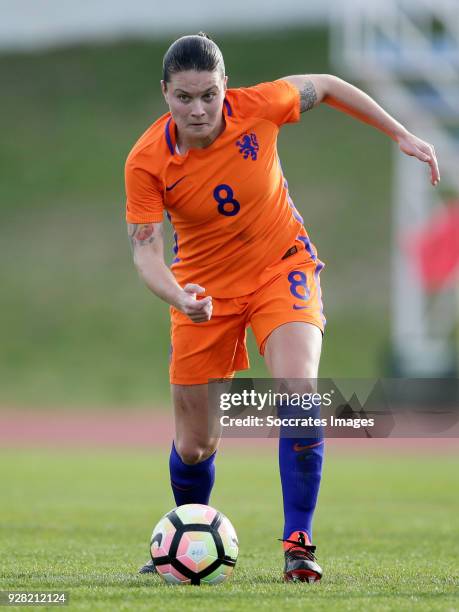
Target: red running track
142,429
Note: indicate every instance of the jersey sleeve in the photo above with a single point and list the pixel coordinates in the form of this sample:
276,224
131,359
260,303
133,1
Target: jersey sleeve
144,198
278,101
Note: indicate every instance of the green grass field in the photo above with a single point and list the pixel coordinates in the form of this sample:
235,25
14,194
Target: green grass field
386,529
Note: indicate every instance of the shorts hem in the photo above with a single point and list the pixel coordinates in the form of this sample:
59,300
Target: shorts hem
199,380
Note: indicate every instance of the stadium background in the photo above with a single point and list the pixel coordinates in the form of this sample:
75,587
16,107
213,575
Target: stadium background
80,335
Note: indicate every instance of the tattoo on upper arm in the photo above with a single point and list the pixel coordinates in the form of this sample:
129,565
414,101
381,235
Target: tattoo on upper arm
143,234
308,97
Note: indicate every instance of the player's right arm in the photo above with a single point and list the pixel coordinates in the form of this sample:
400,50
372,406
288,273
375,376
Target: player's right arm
148,250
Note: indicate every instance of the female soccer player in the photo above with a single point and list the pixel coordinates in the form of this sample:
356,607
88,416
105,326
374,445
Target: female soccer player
242,256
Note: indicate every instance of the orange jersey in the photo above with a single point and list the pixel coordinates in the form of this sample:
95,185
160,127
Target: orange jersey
229,202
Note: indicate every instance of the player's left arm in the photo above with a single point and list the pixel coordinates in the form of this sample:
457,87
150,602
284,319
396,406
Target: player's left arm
325,88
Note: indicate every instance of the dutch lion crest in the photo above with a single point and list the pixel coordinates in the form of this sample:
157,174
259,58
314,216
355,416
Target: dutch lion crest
248,145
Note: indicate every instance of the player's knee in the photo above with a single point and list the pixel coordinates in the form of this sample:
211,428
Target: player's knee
296,386
194,453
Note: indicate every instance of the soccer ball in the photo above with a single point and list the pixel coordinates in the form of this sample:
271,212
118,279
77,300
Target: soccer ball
194,544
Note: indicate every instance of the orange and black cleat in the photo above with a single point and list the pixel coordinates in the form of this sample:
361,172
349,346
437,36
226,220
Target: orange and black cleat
300,562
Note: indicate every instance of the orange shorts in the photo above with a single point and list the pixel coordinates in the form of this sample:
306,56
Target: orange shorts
217,348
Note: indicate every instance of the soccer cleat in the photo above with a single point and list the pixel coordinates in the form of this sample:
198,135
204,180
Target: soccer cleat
300,562
148,568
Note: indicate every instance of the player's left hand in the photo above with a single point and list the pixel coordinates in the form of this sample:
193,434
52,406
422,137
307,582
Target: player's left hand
414,146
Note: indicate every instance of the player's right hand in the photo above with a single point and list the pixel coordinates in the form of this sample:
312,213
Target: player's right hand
198,311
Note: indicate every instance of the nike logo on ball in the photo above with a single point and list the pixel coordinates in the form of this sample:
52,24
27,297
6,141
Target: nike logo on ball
174,184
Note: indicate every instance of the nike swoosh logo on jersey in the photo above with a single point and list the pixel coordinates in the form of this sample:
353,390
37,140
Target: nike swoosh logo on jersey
174,184
296,307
